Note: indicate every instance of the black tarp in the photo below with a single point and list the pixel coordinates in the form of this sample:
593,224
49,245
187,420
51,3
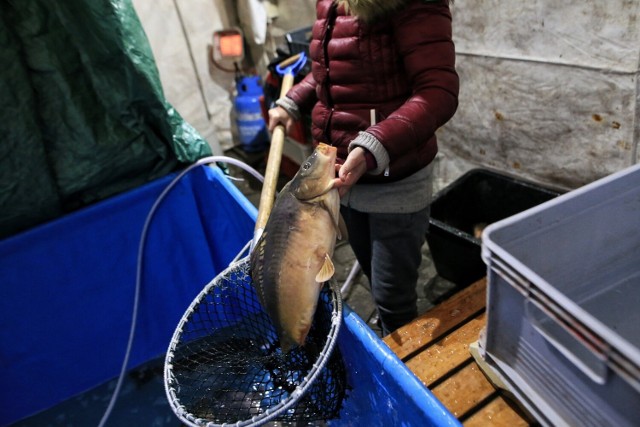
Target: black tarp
82,111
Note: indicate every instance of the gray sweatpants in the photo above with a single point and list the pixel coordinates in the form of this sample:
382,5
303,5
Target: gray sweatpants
388,248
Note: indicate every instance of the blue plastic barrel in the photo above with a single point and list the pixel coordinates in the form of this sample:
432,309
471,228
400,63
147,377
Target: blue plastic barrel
252,129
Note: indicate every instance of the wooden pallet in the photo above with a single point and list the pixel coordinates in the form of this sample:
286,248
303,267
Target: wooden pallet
435,347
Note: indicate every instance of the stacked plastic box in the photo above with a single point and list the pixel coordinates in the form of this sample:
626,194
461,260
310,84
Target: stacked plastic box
563,324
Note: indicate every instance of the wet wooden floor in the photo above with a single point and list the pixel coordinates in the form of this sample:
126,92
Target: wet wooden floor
436,348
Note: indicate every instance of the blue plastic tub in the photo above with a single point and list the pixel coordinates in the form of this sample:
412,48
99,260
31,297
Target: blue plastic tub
384,391
66,296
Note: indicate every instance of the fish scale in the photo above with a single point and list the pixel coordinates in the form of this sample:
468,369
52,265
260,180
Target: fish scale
274,243
293,256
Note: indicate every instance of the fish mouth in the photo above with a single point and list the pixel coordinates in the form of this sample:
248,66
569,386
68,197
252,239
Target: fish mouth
327,150
317,174
331,152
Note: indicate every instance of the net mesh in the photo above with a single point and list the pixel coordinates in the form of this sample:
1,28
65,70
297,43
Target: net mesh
225,364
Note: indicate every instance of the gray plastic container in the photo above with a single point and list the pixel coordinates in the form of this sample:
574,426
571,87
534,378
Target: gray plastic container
563,304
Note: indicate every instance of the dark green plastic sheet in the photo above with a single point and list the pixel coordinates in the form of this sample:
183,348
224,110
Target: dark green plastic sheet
82,111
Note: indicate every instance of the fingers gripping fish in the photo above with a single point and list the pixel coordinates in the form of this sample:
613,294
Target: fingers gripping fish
292,258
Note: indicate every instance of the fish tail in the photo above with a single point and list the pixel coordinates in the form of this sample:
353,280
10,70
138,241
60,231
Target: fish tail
287,344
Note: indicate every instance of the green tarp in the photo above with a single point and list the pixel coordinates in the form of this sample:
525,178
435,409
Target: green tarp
82,111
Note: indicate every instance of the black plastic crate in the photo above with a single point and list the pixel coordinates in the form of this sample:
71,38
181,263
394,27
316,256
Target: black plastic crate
298,40
460,212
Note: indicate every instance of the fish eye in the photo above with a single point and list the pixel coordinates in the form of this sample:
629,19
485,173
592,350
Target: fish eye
306,166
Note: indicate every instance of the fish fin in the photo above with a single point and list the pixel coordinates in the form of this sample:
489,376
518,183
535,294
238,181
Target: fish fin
287,344
327,270
256,259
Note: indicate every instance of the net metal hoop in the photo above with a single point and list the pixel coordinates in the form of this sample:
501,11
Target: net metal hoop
171,382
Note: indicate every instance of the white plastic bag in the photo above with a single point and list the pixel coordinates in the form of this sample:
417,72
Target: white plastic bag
253,20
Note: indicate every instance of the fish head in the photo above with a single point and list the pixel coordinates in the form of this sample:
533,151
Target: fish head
316,174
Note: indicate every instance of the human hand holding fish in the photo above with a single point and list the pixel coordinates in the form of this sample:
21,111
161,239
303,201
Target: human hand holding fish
351,170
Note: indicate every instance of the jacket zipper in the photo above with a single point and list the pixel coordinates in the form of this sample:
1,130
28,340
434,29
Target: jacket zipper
331,19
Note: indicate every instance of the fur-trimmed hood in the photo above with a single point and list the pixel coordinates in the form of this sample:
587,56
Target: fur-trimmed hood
369,10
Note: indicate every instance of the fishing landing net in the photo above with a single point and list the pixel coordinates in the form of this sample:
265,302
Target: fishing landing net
225,366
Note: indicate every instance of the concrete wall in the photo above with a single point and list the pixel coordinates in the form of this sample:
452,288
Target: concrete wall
549,90
179,32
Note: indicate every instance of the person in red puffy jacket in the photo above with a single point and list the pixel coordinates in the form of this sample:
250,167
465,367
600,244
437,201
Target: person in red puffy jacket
382,81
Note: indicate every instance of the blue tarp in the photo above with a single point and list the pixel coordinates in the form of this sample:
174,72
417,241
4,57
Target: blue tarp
67,287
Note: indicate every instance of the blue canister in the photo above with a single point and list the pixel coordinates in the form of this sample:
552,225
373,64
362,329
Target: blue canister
252,128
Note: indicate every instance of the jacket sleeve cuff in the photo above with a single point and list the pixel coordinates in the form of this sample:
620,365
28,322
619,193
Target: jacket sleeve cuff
290,106
371,144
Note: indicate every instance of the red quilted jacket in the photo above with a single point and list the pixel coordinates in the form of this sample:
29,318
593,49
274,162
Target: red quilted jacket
402,64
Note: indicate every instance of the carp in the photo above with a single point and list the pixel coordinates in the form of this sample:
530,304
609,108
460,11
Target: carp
292,258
